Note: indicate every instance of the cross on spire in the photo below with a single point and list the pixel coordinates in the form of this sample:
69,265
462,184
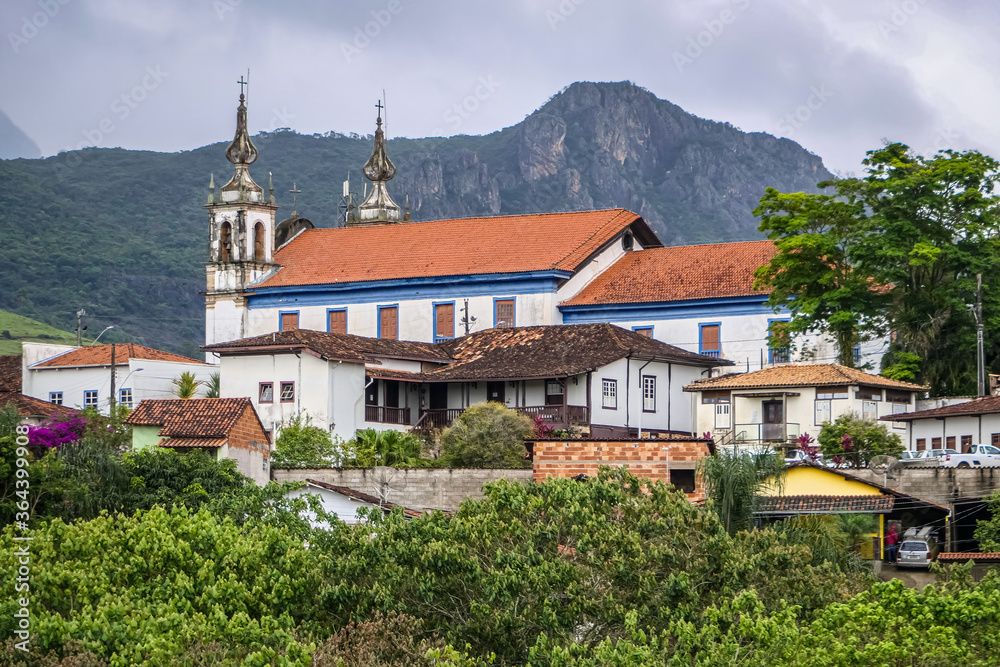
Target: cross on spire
242,83
380,106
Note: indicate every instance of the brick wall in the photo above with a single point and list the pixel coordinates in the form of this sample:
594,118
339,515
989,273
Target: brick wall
250,447
650,459
416,488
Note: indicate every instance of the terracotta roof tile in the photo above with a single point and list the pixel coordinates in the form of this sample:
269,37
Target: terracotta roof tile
801,375
28,406
338,346
551,351
978,406
191,417
826,504
465,246
199,443
679,273
100,355
963,556
10,372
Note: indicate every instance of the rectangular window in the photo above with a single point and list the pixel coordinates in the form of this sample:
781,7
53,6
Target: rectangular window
857,355
715,397
935,443
644,331
826,393
444,321
922,444
683,480
649,393
949,442
287,392
868,394
823,412
995,439
388,322
55,397
336,321
504,313
869,410
90,398
266,394
125,397
288,321
966,443
894,396
554,392
778,346
710,341
609,393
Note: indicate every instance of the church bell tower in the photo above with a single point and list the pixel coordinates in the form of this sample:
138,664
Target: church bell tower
241,238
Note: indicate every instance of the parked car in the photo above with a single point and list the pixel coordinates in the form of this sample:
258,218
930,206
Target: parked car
798,455
978,456
918,548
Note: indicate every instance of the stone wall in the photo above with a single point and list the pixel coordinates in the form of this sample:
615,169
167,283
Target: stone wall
938,485
671,461
416,488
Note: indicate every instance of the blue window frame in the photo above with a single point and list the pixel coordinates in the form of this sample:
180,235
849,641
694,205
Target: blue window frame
777,355
394,317
56,397
857,354
710,339
90,398
125,396
288,320
336,320
440,320
504,312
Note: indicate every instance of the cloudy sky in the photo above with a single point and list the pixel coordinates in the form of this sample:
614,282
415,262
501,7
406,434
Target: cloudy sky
838,77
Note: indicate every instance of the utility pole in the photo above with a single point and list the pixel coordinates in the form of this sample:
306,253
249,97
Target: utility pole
466,321
111,408
79,327
979,335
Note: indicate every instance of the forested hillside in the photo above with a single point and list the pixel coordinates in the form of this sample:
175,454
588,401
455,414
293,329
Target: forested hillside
122,233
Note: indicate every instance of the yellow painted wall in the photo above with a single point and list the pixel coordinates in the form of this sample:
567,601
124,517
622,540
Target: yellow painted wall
806,481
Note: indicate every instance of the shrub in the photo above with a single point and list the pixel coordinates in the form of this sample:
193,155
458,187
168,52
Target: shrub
487,435
302,444
855,441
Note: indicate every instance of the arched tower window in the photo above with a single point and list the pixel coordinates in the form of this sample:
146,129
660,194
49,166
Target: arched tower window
225,242
259,249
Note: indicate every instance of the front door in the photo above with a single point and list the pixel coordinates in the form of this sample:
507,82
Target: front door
391,393
774,420
439,396
495,392
722,416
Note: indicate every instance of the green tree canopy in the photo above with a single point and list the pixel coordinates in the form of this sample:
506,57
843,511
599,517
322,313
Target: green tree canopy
487,435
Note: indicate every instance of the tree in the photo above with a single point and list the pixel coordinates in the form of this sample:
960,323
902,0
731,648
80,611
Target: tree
487,435
853,441
734,482
384,448
186,385
213,387
988,530
897,249
301,444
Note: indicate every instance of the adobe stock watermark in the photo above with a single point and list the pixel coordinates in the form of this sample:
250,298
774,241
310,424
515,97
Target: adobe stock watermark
121,108
946,138
899,16
562,12
31,24
364,34
223,7
704,39
22,517
460,111
818,96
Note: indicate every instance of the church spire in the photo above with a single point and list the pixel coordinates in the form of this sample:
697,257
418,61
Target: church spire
242,153
379,206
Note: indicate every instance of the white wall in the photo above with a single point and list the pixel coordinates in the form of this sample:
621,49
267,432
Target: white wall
333,503
673,407
981,430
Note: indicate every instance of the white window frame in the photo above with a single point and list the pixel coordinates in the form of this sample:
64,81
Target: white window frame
865,405
609,394
290,386
56,397
649,393
269,386
828,403
125,398
90,398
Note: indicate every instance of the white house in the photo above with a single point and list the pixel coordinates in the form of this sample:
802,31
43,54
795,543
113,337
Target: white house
604,379
81,377
956,426
778,404
343,503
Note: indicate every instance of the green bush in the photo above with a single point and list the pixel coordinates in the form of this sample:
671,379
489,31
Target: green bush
384,448
854,441
487,435
302,444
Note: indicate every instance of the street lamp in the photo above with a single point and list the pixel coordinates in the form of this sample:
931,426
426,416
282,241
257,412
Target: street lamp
102,333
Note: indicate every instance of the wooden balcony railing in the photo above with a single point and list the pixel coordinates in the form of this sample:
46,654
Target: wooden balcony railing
379,414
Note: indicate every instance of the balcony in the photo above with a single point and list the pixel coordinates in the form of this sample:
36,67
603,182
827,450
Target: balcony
782,432
379,414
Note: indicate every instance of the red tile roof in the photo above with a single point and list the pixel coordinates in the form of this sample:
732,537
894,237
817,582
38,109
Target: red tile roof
810,504
679,273
192,417
801,375
986,405
336,346
28,406
192,442
10,372
465,246
100,355
964,556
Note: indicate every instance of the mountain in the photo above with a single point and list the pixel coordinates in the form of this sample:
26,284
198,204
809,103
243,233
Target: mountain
122,233
14,329
14,143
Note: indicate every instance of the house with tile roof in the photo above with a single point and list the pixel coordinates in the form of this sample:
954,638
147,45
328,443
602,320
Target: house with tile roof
956,426
83,377
607,380
32,410
223,427
344,503
778,404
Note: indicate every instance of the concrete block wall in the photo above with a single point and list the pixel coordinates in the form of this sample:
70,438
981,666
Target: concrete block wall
416,488
650,459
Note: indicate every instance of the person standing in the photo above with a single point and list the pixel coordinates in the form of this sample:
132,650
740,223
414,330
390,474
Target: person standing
891,544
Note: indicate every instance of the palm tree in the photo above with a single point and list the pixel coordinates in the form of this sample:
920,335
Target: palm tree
735,482
214,385
186,385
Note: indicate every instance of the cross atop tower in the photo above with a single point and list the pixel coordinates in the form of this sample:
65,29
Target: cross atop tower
380,106
242,83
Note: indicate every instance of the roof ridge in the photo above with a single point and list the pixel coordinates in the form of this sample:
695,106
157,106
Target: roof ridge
597,231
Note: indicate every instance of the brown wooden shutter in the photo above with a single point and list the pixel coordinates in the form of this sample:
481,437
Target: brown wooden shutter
648,332
390,322
289,321
445,314
338,321
710,338
505,314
